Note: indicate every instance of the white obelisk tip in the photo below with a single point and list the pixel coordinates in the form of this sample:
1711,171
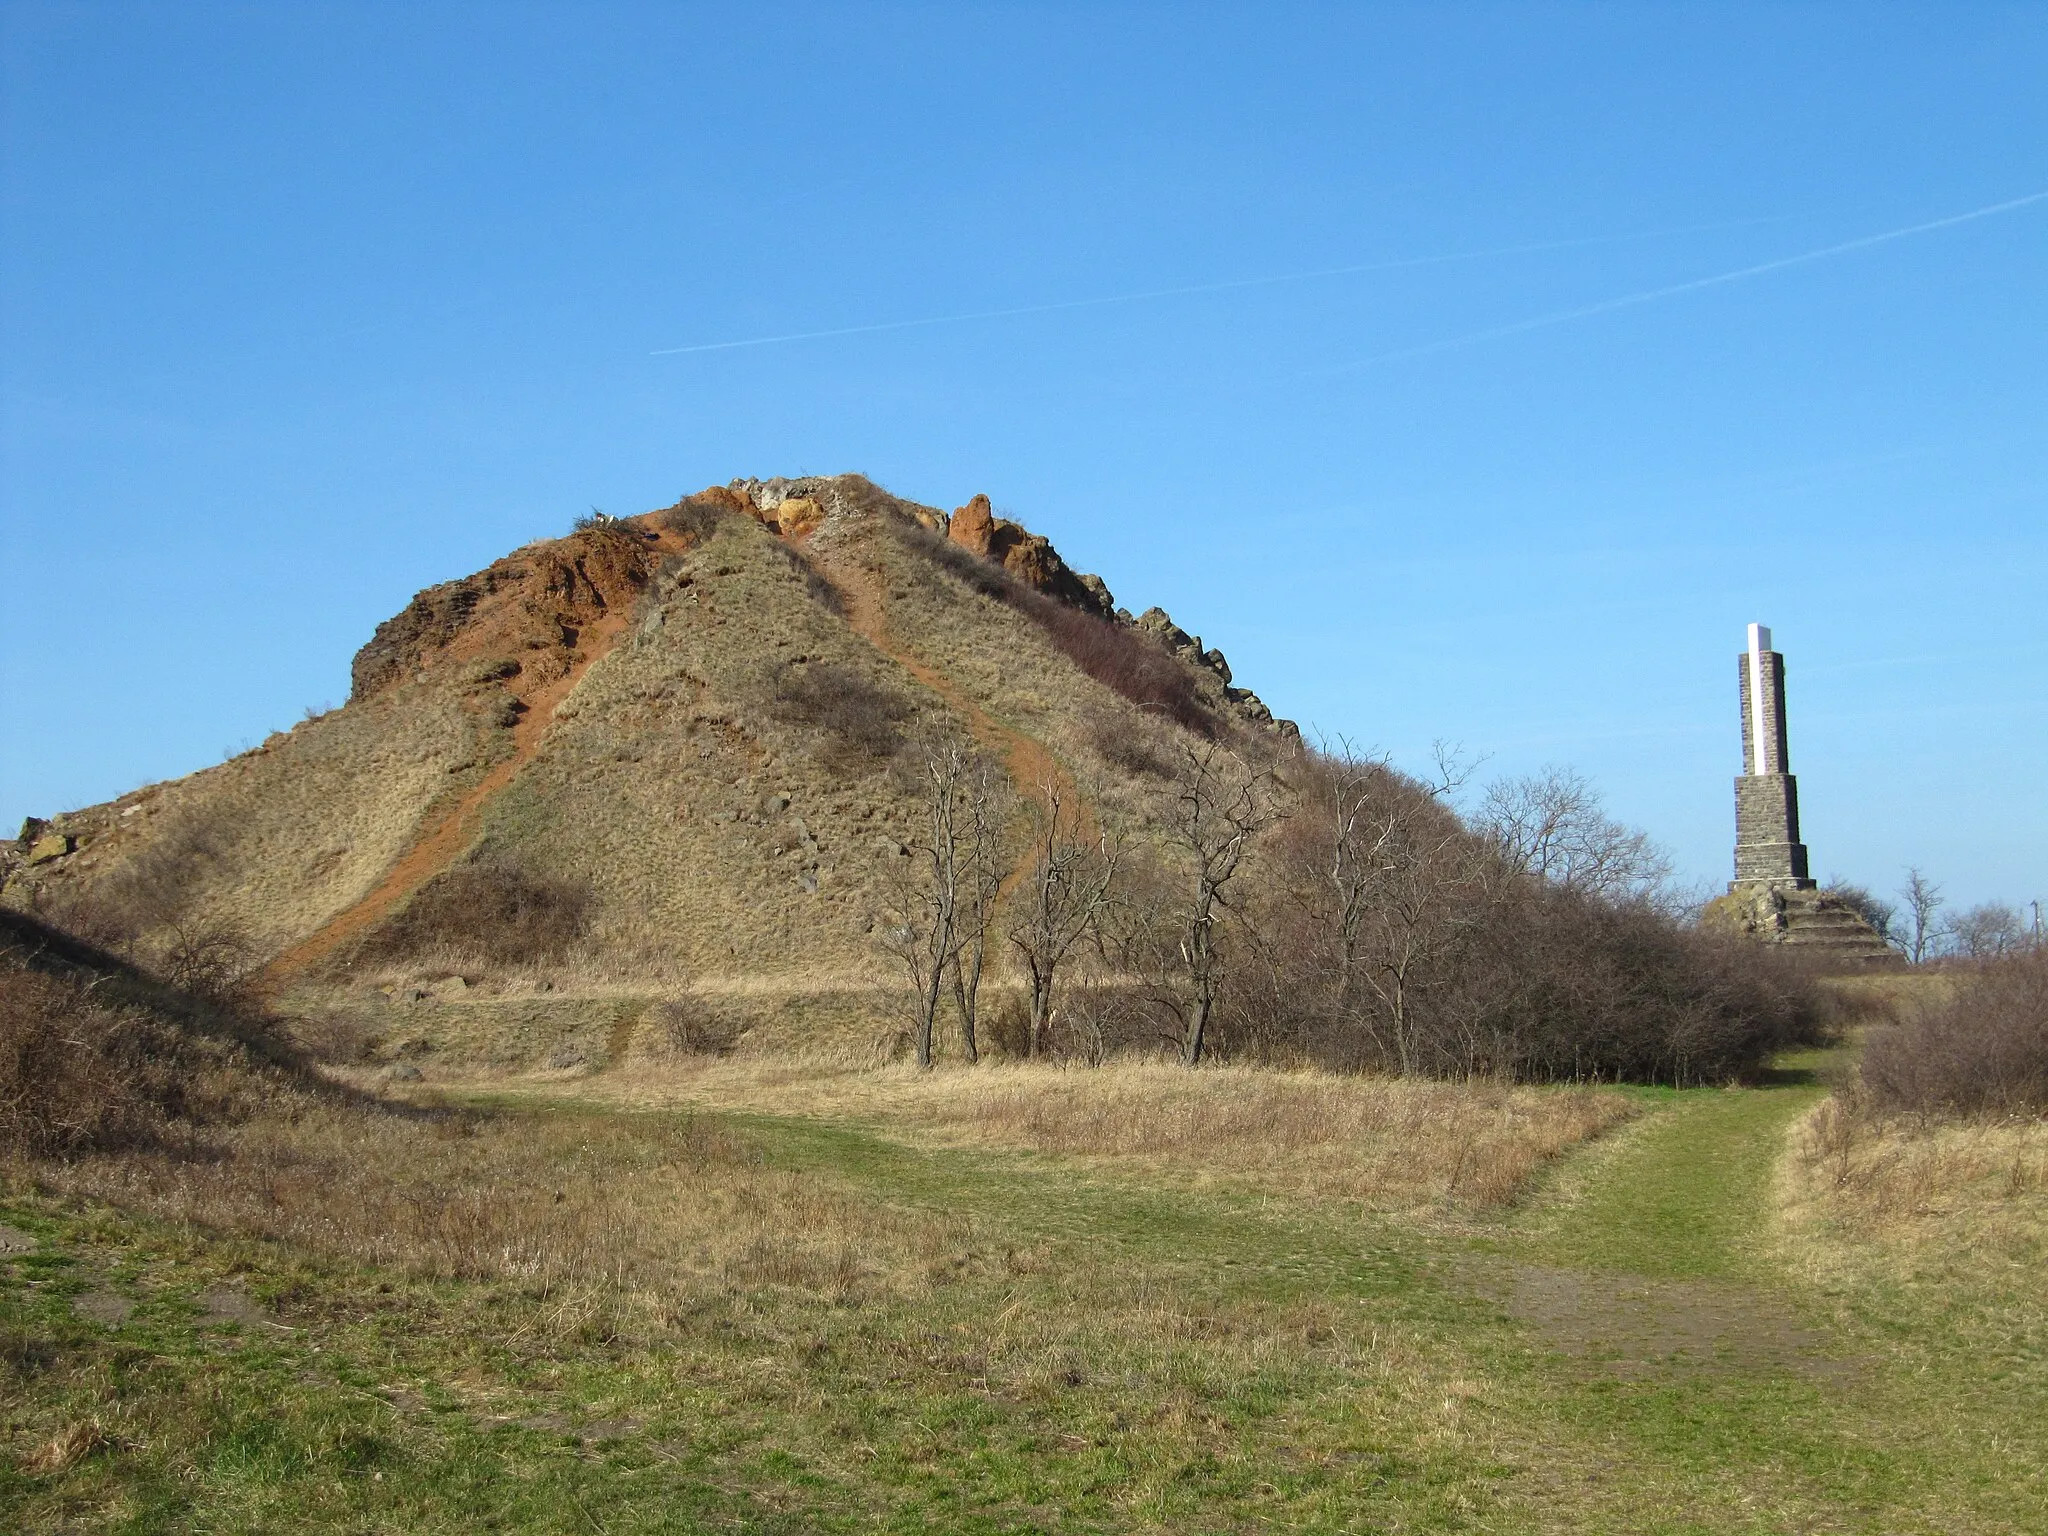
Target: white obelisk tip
1759,642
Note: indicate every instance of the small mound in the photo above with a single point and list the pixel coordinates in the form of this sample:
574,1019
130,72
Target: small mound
97,1056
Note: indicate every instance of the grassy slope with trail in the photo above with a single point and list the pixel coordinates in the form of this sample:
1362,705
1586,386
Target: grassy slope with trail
1095,1353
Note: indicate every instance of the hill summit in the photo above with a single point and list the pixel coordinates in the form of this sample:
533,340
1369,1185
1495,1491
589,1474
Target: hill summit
663,746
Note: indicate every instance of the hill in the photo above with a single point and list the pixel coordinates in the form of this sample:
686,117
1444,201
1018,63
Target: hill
660,750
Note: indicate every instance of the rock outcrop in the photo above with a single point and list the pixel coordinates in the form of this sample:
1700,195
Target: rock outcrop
1810,922
532,605
1027,556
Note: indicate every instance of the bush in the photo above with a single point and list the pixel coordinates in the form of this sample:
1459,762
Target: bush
97,1056
492,908
1566,986
694,517
1429,948
62,1089
1123,662
1137,752
1983,1049
689,1027
863,721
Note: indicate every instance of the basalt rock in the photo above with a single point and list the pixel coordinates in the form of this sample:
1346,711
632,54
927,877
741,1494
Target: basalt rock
1027,556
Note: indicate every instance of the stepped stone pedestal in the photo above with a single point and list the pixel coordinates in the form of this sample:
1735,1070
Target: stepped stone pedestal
1773,897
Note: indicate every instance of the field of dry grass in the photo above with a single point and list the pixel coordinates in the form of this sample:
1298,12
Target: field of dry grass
778,1293
1388,1144
650,1214
1931,1200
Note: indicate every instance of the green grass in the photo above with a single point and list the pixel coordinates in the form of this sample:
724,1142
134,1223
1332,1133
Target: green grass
1093,1354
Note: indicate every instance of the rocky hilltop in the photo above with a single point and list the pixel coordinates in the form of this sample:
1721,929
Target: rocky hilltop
683,730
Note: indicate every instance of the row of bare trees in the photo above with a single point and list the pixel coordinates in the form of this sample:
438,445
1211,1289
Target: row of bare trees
1322,906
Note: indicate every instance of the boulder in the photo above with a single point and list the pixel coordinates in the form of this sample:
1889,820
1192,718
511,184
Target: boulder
796,516
51,846
1160,626
973,527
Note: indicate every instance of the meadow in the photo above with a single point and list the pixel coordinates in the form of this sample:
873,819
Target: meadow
729,1295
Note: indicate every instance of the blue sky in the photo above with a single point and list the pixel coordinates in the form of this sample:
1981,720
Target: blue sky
305,307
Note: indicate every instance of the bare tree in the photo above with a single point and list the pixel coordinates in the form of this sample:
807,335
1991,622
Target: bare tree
1060,901
1923,899
944,894
1551,826
1987,931
927,895
1410,877
1220,803
981,815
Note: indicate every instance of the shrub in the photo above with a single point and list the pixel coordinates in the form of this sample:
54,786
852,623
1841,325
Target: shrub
61,1087
689,1027
862,721
97,1056
1426,947
693,516
1124,662
1982,1049
1566,986
492,908
1137,752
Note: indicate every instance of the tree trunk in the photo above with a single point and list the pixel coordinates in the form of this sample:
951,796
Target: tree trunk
928,1012
1041,1009
967,994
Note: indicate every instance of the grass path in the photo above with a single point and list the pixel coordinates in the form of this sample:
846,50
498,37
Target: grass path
1687,1192
1646,1365
1620,1355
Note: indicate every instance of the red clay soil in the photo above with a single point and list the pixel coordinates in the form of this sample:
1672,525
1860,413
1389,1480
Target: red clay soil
584,598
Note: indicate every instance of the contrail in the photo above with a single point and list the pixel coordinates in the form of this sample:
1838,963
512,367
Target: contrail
1630,300
1167,293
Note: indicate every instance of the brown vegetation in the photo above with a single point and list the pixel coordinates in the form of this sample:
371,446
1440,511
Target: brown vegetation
1390,1144
1122,661
861,721
1978,1048
96,1056
1372,929
1937,1199
117,1088
490,908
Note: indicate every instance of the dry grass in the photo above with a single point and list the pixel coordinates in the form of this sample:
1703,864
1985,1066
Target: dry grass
653,1213
1926,1198
1391,1144
493,908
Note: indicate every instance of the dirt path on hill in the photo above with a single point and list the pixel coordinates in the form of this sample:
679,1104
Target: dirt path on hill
1031,764
439,846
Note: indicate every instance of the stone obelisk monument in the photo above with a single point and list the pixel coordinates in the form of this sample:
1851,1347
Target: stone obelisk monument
1767,848
1772,897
